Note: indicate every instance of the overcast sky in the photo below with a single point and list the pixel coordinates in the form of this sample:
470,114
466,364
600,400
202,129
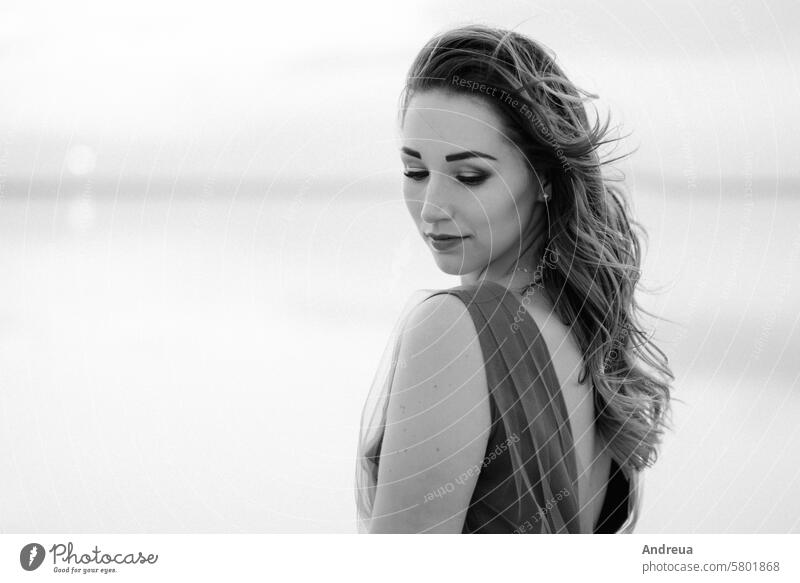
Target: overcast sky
232,89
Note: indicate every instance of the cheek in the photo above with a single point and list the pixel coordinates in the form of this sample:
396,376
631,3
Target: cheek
413,202
505,219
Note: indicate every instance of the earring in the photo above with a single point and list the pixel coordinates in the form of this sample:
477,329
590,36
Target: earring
546,196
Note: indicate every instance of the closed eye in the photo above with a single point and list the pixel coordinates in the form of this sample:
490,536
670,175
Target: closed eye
470,180
416,175
473,179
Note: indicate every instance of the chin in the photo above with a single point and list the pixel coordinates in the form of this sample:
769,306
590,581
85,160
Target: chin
453,264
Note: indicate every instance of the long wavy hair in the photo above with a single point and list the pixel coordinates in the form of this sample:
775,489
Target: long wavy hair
590,231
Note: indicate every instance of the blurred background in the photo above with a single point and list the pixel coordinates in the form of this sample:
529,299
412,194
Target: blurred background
203,249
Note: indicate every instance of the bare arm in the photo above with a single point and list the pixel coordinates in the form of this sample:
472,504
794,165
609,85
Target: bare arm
437,424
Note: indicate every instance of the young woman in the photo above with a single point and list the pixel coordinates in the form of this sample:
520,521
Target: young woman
518,401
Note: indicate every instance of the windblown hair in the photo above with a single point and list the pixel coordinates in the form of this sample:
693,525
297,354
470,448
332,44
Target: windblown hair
590,230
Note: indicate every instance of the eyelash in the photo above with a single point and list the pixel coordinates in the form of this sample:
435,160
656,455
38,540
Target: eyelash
468,180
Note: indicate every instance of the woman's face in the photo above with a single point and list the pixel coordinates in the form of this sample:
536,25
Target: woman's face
465,180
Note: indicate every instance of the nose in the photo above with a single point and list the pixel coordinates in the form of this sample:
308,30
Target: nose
437,200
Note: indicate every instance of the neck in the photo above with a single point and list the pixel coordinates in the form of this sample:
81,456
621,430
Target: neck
514,274
511,270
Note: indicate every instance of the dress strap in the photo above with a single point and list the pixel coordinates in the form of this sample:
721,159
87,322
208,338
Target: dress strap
526,399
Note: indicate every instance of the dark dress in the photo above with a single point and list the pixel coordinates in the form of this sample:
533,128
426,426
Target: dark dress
528,407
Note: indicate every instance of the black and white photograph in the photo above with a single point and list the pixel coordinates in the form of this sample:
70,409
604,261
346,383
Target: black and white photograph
419,267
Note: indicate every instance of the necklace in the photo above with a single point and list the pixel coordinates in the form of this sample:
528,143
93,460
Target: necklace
537,279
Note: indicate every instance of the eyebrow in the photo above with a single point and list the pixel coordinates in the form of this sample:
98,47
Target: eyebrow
451,157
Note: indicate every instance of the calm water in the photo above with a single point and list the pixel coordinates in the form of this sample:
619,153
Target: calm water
200,365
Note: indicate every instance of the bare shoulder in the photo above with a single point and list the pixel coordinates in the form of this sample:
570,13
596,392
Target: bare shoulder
437,422
440,348
443,317
441,355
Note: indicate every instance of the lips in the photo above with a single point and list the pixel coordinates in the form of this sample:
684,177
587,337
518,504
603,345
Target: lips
444,242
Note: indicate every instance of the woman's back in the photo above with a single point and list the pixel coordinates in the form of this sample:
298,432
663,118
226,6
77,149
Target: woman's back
592,456
543,415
